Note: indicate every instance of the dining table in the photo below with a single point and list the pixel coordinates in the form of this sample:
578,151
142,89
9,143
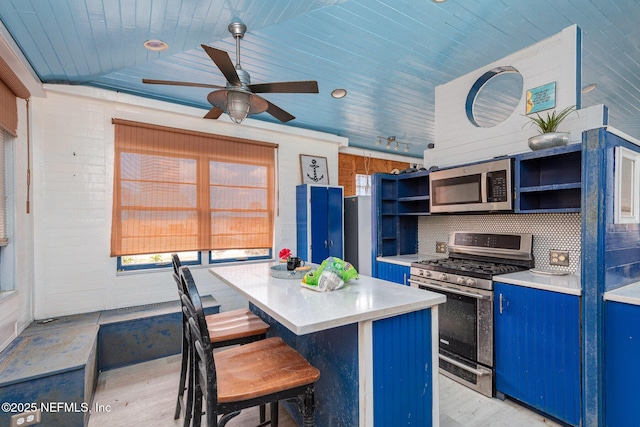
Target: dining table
375,343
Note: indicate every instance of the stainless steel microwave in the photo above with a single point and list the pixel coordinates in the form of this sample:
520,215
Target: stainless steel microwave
478,187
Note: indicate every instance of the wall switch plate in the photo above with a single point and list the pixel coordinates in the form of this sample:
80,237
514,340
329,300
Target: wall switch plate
441,247
25,419
557,257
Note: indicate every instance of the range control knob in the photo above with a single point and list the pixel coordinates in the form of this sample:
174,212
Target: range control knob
471,282
443,277
426,273
460,281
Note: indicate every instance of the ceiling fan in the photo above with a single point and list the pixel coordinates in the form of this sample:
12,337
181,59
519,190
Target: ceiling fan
238,98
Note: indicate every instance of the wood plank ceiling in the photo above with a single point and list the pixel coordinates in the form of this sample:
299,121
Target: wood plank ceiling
388,54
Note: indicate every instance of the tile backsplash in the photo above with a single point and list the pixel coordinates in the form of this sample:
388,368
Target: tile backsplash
559,231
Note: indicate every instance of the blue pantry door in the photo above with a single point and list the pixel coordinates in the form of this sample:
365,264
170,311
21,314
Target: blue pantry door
336,217
327,215
319,224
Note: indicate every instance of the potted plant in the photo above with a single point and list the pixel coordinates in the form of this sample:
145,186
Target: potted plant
548,126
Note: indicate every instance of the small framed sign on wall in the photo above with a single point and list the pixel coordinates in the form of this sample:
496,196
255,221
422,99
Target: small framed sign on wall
541,98
314,169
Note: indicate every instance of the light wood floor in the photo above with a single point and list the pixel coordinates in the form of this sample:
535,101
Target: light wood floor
144,395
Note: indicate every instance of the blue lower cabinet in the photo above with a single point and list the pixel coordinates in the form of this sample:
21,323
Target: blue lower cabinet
537,349
393,272
622,367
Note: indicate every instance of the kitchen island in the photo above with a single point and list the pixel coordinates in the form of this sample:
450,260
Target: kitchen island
374,342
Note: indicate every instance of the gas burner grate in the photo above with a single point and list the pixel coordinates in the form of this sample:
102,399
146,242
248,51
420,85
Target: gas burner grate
468,267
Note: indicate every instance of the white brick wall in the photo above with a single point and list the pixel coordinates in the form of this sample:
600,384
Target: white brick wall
73,181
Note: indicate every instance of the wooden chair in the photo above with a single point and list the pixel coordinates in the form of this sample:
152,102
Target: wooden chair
225,329
228,381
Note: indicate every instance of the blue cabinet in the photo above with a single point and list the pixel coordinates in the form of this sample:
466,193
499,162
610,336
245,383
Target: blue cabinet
398,202
393,272
537,349
622,370
549,180
319,217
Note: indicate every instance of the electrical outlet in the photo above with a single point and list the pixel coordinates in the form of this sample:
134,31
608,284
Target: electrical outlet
25,419
557,257
441,247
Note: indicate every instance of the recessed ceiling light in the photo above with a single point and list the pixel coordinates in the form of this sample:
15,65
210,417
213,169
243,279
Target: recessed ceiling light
439,1
339,93
589,88
156,45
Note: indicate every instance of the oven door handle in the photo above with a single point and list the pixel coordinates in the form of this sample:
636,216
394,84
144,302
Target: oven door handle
453,291
454,362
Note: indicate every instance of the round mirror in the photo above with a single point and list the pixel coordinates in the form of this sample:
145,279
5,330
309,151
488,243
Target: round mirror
494,97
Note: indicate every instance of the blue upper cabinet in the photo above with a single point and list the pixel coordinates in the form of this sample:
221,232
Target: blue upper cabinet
399,200
319,217
549,180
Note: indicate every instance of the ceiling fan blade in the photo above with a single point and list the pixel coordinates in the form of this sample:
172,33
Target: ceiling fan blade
279,113
308,86
171,82
214,113
222,60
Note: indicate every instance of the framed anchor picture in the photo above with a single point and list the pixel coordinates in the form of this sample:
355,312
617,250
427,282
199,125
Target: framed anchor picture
314,169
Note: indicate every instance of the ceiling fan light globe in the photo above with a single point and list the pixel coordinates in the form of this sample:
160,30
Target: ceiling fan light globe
238,105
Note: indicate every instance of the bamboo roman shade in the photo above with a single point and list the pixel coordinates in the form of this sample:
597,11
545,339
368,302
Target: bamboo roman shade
10,88
177,190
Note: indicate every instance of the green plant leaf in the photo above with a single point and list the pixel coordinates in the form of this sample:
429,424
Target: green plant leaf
551,122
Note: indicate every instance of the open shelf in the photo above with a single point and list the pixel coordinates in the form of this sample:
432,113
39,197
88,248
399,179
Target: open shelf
549,180
400,200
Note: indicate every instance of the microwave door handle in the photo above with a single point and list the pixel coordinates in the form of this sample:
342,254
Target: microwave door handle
483,187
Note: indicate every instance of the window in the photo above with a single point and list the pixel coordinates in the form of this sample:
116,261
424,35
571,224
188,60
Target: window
5,285
627,196
183,191
363,185
3,179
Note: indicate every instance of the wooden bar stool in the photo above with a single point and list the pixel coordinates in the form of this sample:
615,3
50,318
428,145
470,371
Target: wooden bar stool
257,373
228,328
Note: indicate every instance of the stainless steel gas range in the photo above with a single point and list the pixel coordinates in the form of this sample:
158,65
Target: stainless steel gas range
466,318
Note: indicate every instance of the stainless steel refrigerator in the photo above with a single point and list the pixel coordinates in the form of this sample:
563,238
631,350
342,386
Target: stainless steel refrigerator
358,233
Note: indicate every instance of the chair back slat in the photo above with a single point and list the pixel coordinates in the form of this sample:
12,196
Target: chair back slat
175,261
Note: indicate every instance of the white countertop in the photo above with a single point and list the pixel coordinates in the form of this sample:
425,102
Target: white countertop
303,310
629,294
406,260
567,284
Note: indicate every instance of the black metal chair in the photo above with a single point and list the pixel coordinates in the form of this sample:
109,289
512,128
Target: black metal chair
257,373
225,329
